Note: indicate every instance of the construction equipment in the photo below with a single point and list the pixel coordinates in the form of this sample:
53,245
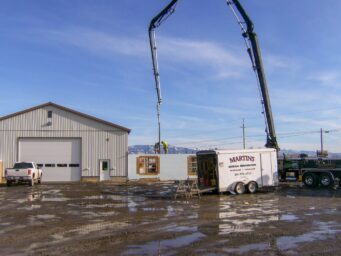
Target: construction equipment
252,49
255,55
156,22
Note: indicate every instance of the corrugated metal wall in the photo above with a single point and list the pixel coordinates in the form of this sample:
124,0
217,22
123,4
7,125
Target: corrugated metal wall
99,141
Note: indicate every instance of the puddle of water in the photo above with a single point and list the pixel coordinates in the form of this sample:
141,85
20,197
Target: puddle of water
225,229
248,248
38,219
93,197
331,211
194,216
90,206
54,199
45,216
20,201
98,214
30,207
51,191
97,227
11,228
288,217
82,230
175,228
5,224
170,211
152,209
236,216
161,247
324,231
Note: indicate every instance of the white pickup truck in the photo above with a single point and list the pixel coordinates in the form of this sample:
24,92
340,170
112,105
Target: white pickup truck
24,172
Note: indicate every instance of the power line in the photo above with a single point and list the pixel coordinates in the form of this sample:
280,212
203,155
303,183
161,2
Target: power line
280,135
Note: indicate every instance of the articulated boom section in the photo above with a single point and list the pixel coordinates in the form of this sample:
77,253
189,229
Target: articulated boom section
252,49
256,59
156,22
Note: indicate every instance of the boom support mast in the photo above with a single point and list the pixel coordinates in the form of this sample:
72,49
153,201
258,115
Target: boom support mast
156,22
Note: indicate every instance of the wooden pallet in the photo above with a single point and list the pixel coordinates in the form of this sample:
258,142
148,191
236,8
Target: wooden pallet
187,188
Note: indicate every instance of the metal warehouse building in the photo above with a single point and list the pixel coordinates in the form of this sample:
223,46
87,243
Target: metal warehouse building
66,144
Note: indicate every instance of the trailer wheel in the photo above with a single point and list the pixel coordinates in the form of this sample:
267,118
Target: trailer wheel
252,187
240,188
326,179
310,179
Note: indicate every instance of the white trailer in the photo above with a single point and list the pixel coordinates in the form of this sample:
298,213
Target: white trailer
237,171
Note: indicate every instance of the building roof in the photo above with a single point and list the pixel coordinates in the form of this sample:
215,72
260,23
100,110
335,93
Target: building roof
48,104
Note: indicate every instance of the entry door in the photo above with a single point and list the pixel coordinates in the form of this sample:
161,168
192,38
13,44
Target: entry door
104,168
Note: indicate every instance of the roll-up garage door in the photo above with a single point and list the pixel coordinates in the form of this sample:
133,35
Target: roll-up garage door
59,158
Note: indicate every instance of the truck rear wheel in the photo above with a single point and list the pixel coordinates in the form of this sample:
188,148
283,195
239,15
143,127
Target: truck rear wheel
240,188
326,179
252,187
310,179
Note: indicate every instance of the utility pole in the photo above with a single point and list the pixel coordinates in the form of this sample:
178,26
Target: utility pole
321,139
243,127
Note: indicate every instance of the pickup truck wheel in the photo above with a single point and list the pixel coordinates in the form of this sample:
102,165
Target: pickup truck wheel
252,187
8,183
240,188
326,179
310,179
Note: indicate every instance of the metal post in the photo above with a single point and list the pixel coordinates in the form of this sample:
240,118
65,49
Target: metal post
159,126
243,127
321,137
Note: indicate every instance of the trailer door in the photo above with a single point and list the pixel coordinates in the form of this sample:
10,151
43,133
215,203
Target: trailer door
267,171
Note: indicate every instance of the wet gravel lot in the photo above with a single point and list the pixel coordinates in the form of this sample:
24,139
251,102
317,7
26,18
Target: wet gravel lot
144,219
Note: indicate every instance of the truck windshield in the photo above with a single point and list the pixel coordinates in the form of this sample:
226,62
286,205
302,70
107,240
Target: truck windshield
23,165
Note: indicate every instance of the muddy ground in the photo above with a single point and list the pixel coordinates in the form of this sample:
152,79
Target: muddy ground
141,219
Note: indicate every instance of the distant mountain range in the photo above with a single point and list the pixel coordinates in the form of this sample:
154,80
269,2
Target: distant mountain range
149,149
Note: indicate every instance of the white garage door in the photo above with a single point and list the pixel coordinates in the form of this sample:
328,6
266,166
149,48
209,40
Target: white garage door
60,159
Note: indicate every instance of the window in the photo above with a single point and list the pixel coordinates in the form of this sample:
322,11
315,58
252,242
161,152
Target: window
104,165
23,166
148,165
40,165
50,165
61,165
49,114
192,165
73,165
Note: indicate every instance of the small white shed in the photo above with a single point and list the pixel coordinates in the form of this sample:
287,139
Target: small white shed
164,167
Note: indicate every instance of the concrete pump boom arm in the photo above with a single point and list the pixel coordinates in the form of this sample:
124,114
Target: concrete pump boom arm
155,22
252,49
256,59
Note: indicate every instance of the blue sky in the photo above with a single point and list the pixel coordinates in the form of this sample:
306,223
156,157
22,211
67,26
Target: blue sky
93,56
